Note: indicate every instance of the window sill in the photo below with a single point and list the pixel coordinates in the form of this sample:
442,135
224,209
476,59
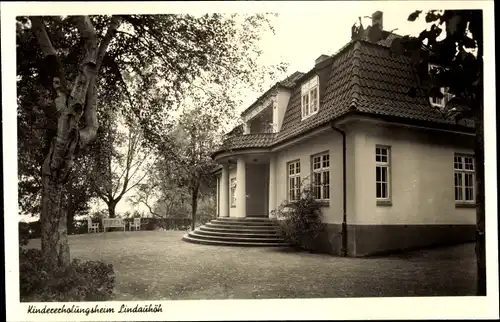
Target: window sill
465,205
384,203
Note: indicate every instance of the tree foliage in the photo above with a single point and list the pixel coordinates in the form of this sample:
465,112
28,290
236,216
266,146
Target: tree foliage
121,162
185,176
454,43
137,65
160,192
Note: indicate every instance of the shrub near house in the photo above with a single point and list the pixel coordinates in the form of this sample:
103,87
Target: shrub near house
299,221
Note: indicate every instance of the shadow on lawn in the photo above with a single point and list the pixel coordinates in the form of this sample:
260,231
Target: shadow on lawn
435,252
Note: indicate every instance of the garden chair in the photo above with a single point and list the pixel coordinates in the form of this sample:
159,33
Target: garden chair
92,227
136,224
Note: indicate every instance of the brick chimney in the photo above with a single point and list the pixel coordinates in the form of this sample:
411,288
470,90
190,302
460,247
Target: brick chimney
320,59
377,19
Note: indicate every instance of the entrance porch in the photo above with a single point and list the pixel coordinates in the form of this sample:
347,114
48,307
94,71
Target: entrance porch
246,187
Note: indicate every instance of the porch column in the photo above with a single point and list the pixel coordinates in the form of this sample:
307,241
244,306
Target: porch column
217,197
241,193
272,185
224,192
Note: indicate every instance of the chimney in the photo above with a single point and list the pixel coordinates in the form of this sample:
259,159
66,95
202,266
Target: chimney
377,19
320,59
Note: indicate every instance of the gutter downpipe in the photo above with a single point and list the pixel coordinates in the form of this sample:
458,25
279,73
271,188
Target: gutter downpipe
343,249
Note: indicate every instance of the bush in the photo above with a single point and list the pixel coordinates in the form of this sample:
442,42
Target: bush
299,221
24,233
165,223
29,230
81,281
80,227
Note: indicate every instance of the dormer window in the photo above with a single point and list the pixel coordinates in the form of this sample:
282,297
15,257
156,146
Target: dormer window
440,101
310,97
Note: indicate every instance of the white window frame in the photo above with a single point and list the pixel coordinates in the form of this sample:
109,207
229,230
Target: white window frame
464,166
306,97
440,102
232,187
293,175
383,161
320,165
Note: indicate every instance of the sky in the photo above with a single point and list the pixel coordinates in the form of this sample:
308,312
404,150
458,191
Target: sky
301,37
304,33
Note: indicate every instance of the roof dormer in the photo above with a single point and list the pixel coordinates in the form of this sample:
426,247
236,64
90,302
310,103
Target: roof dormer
439,102
310,97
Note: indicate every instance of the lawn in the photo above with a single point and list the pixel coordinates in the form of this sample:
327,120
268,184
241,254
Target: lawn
158,265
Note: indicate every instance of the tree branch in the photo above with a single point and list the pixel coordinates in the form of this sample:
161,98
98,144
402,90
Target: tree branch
115,190
42,37
53,69
110,34
135,184
89,132
145,202
88,65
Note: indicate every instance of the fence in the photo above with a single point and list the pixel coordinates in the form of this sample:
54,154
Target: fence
33,229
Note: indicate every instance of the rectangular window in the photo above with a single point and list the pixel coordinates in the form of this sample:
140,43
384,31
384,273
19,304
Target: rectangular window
464,178
310,97
233,192
382,170
293,169
321,176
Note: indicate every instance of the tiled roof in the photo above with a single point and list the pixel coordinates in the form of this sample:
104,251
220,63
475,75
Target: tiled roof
364,77
290,80
338,98
383,84
254,140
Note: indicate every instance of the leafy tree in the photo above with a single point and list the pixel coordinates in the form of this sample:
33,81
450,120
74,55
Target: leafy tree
78,193
198,136
78,61
116,173
185,175
459,57
160,193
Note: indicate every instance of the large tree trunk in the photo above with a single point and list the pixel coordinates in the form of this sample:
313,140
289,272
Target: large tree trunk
480,204
112,208
54,241
70,219
194,206
480,193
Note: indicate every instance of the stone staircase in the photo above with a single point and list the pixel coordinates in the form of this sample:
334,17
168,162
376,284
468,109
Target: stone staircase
249,231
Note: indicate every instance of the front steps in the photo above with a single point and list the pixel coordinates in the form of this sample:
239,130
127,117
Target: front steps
249,231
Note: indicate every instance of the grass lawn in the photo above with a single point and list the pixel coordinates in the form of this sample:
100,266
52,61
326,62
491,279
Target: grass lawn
158,265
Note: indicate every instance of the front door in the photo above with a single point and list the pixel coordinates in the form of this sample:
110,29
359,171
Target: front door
257,190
